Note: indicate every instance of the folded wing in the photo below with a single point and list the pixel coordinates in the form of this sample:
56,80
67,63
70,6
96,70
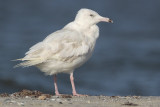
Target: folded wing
63,45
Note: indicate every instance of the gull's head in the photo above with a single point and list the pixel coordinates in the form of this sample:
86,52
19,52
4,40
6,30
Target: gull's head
89,17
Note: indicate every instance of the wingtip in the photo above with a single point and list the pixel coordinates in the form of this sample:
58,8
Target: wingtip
17,59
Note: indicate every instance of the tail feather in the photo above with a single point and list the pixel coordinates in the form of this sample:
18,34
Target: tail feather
28,62
21,59
26,59
23,64
36,55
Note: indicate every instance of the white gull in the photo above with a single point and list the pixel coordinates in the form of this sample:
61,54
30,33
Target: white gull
66,49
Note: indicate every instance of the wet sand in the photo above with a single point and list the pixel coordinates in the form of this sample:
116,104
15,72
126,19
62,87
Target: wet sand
37,99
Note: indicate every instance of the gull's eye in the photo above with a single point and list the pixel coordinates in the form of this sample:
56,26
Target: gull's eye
91,15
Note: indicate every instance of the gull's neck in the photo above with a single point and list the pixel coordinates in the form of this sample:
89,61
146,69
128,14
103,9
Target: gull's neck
89,31
78,26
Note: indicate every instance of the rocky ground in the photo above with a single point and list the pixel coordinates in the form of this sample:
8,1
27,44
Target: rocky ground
38,99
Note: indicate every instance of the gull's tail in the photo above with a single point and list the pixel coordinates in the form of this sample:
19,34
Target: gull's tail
37,54
27,62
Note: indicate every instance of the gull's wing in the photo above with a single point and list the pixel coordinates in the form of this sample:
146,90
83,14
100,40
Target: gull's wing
69,44
63,45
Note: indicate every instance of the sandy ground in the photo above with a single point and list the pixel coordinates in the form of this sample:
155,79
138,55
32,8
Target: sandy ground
45,100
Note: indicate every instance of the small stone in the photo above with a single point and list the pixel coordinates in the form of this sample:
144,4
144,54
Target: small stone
68,99
43,97
130,104
20,103
27,97
137,97
12,101
59,100
53,99
60,103
7,100
88,102
70,103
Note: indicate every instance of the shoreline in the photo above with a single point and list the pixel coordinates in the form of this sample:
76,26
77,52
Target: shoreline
37,99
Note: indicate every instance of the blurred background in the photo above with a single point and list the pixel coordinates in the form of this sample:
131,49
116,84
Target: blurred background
126,60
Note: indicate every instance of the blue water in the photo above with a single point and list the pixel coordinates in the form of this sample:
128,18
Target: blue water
126,60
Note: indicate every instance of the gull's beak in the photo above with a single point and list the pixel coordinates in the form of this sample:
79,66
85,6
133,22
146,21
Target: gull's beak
106,19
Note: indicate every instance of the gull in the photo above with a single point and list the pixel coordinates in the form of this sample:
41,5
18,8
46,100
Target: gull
66,49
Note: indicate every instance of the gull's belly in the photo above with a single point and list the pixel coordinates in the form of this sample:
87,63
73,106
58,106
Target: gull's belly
55,66
81,60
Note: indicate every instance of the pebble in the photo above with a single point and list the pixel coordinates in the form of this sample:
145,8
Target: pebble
60,103
20,103
43,97
59,100
9,101
26,96
53,99
88,102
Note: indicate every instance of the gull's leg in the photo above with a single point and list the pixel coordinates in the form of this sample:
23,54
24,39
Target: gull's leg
73,86
55,85
72,83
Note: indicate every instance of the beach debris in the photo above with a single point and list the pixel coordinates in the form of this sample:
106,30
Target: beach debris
34,94
4,95
129,104
42,97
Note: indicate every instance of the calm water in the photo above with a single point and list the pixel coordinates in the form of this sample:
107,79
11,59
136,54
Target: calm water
126,60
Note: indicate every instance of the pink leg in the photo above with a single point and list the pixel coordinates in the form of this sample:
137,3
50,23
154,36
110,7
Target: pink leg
72,83
55,85
73,86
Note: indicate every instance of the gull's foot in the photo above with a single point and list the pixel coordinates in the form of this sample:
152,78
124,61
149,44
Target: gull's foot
58,94
75,94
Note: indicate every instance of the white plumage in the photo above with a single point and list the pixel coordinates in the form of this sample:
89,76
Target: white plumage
68,48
